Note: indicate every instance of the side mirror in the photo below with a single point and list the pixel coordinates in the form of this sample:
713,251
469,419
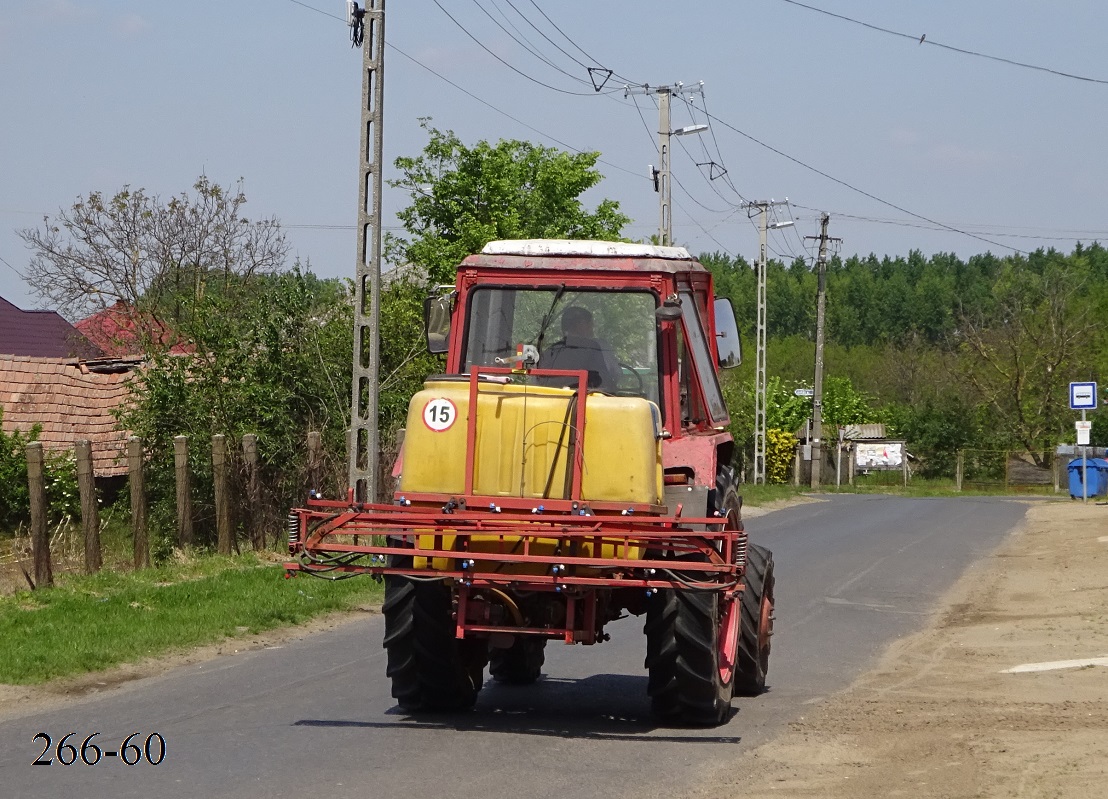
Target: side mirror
436,321
728,343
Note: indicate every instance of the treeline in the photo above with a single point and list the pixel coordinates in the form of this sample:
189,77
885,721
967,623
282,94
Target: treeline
951,353
875,301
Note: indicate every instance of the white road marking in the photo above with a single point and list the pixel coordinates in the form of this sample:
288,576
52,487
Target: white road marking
1057,664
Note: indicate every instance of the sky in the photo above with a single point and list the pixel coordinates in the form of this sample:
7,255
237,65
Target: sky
838,107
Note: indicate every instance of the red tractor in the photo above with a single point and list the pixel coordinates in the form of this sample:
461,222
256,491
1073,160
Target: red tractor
572,465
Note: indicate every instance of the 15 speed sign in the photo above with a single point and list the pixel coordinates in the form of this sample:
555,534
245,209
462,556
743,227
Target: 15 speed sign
439,414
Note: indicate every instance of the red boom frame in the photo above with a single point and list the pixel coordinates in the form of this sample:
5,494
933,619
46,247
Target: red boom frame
334,540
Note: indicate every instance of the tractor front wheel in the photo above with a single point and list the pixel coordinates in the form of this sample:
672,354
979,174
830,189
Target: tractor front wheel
692,641
429,667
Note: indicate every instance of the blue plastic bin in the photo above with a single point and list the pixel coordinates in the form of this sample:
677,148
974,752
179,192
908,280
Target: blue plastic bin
1097,477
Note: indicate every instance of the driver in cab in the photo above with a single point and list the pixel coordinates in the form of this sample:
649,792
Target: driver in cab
580,349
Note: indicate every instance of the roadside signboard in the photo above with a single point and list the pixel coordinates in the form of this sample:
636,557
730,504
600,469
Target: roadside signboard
1083,396
1083,429
804,392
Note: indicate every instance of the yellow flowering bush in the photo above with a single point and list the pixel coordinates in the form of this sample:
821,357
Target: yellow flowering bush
780,450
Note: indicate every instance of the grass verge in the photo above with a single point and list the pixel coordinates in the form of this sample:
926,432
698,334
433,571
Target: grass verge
89,623
765,493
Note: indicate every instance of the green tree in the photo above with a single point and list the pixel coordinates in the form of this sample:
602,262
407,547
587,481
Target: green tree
935,431
1021,355
269,356
59,477
464,197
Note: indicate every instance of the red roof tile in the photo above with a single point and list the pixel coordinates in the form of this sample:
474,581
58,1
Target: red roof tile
69,403
121,331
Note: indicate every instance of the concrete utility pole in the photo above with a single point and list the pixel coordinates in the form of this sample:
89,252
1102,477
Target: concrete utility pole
363,443
817,390
661,175
762,208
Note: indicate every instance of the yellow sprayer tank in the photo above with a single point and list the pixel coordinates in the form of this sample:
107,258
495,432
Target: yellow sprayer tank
524,442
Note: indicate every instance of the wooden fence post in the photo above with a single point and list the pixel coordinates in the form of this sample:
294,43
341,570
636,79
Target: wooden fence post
184,490
253,492
222,494
90,509
959,470
315,461
137,479
40,539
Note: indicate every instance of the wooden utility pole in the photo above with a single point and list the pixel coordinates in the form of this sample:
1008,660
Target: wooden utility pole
138,502
817,389
661,175
220,477
253,491
315,461
184,490
90,509
40,538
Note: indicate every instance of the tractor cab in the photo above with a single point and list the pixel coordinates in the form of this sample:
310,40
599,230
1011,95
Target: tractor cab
638,319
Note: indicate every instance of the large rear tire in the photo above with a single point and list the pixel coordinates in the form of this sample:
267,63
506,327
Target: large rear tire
519,664
430,669
757,623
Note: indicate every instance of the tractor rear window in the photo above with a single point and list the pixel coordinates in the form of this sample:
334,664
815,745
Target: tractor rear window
610,334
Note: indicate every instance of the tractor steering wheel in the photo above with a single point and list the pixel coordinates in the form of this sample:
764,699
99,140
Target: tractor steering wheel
640,387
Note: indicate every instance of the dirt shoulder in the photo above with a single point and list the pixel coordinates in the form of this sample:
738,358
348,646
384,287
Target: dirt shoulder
939,717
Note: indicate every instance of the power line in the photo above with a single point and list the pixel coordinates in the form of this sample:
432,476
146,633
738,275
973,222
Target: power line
922,39
992,230
711,117
505,114
703,230
863,192
16,271
514,69
524,17
571,41
319,11
727,179
480,100
522,41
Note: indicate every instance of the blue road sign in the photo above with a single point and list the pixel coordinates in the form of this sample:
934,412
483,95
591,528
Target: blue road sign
1083,396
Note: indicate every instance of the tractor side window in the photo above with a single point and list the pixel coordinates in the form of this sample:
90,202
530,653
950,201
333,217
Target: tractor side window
702,361
690,408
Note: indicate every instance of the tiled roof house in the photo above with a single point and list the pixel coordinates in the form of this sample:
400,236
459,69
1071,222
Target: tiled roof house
121,331
43,381
69,401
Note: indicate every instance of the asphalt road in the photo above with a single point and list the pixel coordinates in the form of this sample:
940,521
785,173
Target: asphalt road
315,716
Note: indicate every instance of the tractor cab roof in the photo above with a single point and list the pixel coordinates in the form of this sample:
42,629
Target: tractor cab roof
566,254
